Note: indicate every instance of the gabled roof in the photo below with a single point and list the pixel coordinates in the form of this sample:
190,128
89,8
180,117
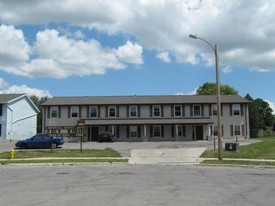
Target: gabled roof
9,98
161,99
6,98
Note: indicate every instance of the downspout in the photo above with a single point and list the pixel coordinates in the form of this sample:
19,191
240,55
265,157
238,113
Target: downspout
9,133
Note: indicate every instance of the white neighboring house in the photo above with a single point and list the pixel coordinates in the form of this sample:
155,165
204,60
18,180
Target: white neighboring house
18,117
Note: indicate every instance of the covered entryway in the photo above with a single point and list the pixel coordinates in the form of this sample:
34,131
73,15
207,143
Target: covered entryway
92,133
197,132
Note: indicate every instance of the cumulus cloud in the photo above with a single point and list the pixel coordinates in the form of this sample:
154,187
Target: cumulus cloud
59,57
14,49
243,32
164,56
5,88
24,89
130,53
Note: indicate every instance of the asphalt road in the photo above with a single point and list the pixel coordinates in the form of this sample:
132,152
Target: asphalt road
143,185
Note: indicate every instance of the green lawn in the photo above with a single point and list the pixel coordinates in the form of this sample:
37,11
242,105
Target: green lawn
62,153
265,149
238,162
96,155
261,150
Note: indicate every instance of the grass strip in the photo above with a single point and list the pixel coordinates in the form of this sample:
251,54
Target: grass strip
62,153
62,161
238,162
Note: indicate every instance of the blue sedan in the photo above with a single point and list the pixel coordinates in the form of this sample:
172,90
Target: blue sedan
40,141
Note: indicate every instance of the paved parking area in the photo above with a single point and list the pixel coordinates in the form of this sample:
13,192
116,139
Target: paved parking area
125,147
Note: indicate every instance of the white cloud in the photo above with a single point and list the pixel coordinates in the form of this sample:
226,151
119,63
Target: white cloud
227,69
130,53
3,83
78,35
188,93
14,50
244,33
5,88
164,56
24,89
60,57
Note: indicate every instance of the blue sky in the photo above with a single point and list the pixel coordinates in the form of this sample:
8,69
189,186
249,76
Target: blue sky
125,47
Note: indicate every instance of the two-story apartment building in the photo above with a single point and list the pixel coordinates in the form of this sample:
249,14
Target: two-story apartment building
147,118
18,117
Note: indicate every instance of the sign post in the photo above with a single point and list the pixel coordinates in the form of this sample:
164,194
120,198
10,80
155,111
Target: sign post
80,131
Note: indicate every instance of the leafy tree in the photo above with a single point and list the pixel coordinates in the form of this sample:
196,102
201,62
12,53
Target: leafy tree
209,88
260,113
38,101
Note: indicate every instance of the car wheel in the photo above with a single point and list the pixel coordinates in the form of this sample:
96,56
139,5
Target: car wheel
24,146
54,145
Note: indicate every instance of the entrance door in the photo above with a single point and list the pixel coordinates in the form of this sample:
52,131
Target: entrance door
199,132
92,134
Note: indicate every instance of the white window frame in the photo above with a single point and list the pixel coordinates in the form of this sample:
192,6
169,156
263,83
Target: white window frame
214,110
157,128
74,111
135,110
95,110
133,131
109,111
175,110
54,110
156,107
194,114
237,108
237,130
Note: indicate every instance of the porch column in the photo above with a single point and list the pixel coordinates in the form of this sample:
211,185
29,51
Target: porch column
113,129
145,138
177,132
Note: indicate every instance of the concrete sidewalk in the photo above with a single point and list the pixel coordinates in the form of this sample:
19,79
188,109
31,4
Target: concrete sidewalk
179,156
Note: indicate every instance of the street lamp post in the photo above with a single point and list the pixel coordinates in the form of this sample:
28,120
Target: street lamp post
218,92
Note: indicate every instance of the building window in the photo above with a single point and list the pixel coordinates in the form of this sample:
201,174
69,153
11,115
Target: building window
74,111
156,111
157,131
1,109
133,111
197,110
236,109
177,110
93,111
214,109
54,112
133,131
237,130
112,111
0,130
